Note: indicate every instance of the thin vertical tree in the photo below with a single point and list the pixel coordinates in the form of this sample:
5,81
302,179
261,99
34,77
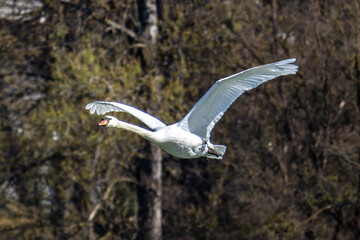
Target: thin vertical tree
150,191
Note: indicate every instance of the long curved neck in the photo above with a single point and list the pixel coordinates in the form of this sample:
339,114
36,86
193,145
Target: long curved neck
149,135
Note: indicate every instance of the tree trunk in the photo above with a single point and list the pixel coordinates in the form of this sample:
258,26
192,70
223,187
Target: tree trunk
156,165
149,202
357,74
148,16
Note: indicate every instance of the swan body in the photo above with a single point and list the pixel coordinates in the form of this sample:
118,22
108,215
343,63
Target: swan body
172,139
190,137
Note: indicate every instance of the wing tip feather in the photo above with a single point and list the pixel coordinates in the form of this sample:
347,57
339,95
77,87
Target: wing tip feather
88,106
286,61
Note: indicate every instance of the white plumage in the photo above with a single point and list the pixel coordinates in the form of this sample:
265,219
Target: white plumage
190,138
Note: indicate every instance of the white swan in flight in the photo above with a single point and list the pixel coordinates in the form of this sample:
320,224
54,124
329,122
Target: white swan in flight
190,138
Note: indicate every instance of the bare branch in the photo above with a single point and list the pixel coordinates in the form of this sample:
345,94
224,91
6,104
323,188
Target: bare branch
120,27
317,213
106,196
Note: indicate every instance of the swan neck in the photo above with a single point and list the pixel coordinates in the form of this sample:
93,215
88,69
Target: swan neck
136,129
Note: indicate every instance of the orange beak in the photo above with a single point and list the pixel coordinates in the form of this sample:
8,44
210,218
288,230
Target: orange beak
103,122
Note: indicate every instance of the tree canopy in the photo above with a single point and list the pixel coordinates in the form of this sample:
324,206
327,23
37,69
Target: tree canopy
292,166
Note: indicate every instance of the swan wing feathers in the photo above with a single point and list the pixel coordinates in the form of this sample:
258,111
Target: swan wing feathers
101,107
201,119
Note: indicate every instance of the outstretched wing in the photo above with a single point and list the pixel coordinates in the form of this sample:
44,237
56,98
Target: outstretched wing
201,119
101,107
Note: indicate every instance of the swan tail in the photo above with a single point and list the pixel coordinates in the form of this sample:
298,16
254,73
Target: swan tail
216,152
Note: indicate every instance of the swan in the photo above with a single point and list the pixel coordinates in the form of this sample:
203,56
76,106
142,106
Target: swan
190,137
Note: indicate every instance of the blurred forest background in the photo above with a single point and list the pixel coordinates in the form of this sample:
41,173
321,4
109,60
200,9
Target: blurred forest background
292,166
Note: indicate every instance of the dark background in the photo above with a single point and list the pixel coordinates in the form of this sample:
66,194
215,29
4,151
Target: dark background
292,166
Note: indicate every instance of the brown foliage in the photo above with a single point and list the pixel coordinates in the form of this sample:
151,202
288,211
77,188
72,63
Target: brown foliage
292,168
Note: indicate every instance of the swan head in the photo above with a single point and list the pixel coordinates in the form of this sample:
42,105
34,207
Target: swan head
108,121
